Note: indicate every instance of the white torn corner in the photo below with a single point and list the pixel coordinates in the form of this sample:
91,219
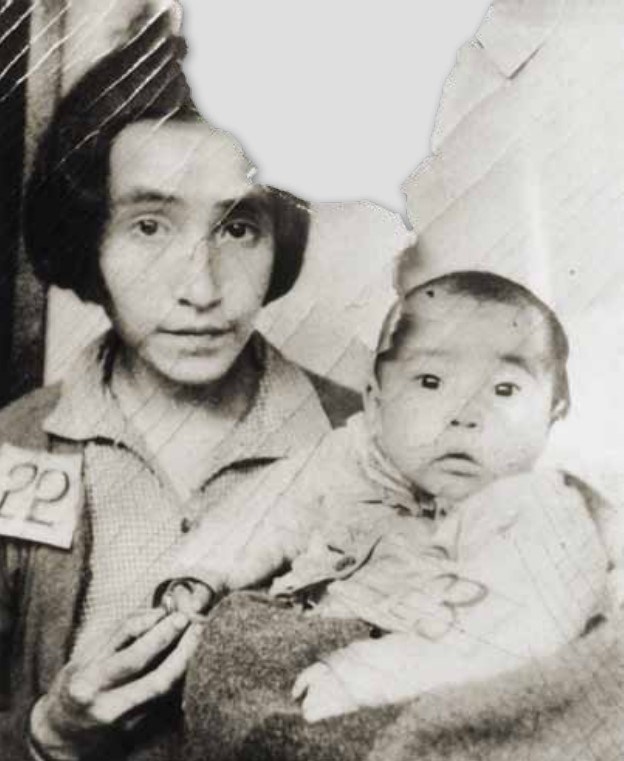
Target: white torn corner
526,179
511,34
514,30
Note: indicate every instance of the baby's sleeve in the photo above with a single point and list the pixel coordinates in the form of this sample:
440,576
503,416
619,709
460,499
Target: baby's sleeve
609,520
544,566
252,534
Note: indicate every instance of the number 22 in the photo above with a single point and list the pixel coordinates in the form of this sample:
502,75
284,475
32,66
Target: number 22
50,487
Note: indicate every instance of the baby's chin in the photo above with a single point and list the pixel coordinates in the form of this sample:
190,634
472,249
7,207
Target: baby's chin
456,488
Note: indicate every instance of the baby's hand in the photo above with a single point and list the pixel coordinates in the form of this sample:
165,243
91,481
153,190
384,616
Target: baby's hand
188,596
364,674
323,694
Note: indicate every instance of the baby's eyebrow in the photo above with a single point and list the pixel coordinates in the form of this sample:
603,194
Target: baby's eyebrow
518,360
425,351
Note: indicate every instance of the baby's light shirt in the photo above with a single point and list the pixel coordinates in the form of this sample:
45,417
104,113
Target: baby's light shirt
524,549
519,566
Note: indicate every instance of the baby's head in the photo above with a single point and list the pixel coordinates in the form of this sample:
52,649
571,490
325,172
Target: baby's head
470,374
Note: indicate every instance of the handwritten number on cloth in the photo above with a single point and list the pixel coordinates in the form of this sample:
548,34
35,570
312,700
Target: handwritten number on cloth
434,612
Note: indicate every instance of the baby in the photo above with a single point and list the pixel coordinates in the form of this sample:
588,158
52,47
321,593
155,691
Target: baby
426,517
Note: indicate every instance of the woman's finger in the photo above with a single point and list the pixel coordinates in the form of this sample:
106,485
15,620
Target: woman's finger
130,661
193,601
134,627
156,683
181,598
106,644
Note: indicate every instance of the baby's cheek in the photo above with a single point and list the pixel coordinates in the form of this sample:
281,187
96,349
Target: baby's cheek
512,453
420,423
405,452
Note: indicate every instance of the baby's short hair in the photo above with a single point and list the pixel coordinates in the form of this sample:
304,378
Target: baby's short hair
482,287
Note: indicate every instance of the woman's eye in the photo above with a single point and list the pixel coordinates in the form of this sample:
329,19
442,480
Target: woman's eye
428,381
149,227
239,231
506,389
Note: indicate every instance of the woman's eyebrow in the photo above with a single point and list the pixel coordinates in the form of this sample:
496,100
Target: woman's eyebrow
145,196
250,206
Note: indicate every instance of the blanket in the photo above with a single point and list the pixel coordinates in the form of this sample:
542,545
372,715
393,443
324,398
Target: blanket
237,702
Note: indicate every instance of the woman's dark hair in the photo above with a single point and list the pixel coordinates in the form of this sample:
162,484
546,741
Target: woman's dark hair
66,200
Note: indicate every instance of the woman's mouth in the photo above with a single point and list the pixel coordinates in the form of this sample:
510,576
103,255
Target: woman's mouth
198,340
200,331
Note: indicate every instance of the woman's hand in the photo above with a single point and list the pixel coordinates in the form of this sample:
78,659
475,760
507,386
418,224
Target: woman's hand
89,697
191,597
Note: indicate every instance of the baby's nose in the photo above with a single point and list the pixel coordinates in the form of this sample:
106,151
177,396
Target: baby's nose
469,416
463,422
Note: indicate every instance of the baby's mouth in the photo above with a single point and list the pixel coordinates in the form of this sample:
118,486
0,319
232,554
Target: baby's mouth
457,456
458,463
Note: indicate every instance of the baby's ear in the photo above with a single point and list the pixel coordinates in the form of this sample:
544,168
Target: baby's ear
559,410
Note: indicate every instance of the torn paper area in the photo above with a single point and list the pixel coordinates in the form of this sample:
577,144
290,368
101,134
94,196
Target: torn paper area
526,179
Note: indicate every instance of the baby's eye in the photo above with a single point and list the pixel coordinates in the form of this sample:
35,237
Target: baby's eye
429,381
239,230
506,389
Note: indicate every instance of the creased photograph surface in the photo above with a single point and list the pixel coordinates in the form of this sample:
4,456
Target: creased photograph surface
297,480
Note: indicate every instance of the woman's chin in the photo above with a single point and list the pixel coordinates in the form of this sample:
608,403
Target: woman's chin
194,370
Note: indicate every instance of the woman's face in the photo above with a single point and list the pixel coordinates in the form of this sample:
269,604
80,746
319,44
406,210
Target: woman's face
187,252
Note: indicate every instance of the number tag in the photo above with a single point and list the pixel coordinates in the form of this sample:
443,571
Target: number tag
40,494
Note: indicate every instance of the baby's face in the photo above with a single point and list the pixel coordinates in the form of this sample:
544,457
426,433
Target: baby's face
469,398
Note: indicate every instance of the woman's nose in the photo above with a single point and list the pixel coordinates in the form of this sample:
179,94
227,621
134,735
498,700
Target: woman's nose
200,286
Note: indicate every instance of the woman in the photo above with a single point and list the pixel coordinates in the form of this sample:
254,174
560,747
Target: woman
137,204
